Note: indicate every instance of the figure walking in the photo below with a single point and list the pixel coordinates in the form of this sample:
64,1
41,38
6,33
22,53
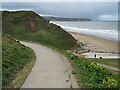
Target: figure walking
94,55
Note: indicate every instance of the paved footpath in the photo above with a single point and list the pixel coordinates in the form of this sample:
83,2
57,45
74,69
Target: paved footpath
51,70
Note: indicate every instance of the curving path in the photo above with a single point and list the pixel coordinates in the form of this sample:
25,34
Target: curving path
51,70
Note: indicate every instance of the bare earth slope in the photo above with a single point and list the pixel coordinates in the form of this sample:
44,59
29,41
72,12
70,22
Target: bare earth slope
51,70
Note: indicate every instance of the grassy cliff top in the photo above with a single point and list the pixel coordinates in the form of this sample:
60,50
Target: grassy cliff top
27,25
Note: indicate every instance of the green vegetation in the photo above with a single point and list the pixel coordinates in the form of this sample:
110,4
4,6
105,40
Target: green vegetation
92,75
89,74
14,57
66,19
27,25
109,62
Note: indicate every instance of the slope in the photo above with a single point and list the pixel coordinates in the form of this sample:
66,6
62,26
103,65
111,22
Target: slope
14,57
27,25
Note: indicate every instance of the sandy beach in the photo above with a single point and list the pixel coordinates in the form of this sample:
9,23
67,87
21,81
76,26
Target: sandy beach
96,44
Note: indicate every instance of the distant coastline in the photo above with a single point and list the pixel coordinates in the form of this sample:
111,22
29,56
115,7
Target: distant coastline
66,19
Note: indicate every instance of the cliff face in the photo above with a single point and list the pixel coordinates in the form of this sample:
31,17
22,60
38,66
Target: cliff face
27,25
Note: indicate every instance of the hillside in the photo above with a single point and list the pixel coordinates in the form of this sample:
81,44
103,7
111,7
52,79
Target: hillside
66,19
14,57
27,25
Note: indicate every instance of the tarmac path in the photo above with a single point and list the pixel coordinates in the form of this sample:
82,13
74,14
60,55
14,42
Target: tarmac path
51,70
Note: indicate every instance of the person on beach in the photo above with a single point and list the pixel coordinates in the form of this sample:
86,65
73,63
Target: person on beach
94,55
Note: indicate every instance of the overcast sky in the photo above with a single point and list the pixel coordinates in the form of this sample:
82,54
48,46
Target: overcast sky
93,10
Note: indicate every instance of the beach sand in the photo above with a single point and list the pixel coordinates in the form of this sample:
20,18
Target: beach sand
97,44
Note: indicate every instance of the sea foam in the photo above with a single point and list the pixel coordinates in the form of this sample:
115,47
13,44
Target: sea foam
103,33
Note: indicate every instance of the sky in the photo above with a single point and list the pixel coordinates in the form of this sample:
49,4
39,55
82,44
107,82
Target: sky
107,11
60,0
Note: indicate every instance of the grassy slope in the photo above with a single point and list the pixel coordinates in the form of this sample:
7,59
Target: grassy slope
14,58
91,75
27,25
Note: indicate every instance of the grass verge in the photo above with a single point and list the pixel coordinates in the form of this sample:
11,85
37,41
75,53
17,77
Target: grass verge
15,58
21,75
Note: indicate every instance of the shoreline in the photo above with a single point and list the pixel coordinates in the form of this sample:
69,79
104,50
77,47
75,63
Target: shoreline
96,44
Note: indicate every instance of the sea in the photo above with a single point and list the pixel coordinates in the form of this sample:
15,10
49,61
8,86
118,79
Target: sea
103,29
